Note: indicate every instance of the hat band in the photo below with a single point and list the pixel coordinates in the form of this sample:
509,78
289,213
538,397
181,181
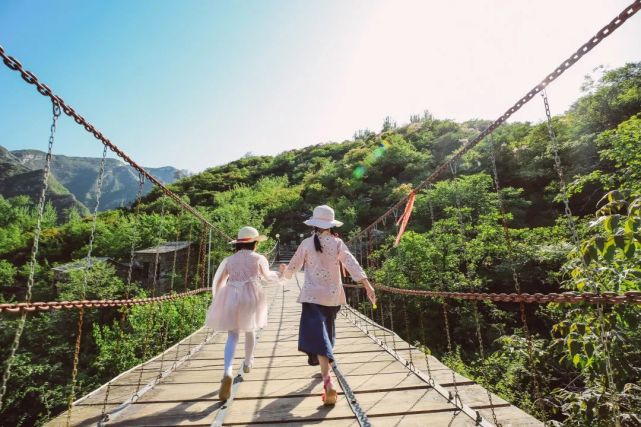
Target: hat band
245,239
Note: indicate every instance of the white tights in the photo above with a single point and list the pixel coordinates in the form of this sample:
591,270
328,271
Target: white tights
230,349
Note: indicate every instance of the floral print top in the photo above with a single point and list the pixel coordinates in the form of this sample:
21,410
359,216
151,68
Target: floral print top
322,270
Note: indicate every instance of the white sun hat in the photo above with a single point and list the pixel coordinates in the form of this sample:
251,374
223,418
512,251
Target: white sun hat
248,235
323,217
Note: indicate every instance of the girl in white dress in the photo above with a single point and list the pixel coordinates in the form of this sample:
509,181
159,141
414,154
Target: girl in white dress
239,303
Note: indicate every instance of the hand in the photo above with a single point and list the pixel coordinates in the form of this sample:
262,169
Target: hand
282,268
369,290
371,295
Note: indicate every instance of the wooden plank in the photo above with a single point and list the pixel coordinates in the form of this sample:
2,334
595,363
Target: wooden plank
268,411
512,416
423,419
185,413
80,416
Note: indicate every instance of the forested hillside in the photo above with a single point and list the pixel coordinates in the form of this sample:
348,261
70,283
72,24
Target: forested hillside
363,177
455,241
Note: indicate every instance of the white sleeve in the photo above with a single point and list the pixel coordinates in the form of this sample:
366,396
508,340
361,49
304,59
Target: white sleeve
265,272
220,277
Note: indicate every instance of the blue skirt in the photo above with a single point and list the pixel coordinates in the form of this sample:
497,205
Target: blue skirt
317,331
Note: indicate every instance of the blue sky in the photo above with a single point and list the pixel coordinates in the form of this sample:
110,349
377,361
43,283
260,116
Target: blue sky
199,83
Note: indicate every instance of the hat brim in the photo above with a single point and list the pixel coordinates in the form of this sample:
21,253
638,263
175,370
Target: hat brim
260,238
322,224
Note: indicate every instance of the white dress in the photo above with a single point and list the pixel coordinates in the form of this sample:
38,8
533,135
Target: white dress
240,303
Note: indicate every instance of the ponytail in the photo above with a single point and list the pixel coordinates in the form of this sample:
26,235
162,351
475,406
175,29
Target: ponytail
317,243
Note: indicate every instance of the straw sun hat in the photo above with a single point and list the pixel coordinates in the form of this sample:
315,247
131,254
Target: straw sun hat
323,217
247,235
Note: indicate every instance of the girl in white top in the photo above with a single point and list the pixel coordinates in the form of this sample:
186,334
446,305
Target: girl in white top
239,302
322,293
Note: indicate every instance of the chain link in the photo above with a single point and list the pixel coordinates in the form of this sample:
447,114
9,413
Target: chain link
515,278
165,333
209,257
407,331
95,303
34,251
469,280
426,348
154,309
132,250
479,337
135,236
85,279
391,306
446,321
631,297
577,242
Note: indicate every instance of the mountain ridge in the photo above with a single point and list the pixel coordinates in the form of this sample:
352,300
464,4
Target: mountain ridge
75,178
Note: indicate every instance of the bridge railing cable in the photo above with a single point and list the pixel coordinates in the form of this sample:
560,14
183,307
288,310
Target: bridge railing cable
34,253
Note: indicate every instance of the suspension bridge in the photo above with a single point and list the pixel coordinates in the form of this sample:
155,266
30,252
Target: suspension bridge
386,375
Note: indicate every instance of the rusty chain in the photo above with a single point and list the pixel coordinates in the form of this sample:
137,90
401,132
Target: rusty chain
425,348
407,331
507,235
151,319
446,322
631,297
165,333
479,337
85,280
34,251
125,311
15,65
469,279
70,305
611,385
604,32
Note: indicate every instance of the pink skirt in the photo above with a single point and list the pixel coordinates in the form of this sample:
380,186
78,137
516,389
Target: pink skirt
238,306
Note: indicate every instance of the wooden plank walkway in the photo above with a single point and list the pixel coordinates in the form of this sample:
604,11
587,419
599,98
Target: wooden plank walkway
283,390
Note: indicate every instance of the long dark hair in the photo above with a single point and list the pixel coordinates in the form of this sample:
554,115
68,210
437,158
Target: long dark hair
317,243
247,245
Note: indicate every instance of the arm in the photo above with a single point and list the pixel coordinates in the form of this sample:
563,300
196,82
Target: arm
220,278
355,270
295,264
265,272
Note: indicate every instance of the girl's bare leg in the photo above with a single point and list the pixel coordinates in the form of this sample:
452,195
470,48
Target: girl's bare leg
324,366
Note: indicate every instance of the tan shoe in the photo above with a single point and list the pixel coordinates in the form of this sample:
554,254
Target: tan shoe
247,368
225,388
